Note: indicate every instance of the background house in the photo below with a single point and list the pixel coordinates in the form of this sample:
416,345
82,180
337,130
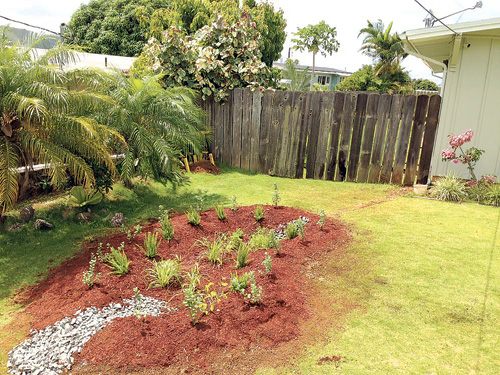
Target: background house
328,77
468,55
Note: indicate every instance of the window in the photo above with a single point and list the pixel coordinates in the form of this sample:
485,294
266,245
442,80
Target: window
324,80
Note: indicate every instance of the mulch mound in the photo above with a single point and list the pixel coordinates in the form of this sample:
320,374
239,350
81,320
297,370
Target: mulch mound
170,339
204,166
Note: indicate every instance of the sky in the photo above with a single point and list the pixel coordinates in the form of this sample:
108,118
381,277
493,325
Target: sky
348,16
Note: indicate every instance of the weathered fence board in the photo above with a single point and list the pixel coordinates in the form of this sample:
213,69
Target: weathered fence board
353,136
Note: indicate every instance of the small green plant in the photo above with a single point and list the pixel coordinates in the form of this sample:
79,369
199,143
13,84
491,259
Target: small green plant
215,249
167,229
100,254
79,198
200,201
219,210
138,310
131,235
234,204
493,195
268,264
255,295
90,277
151,245
258,213
193,216
235,239
291,230
322,217
301,228
276,195
449,188
193,277
164,273
242,257
117,260
274,241
201,301
261,239
239,283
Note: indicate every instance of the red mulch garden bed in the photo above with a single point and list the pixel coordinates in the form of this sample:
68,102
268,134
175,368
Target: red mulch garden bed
170,339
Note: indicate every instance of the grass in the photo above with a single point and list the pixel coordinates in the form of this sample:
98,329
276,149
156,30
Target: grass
426,278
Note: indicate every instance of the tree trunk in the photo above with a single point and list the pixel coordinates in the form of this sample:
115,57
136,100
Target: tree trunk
312,75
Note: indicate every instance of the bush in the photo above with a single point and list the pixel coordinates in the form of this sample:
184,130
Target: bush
449,188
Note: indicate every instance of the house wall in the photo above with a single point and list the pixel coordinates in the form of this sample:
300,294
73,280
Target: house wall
334,79
471,100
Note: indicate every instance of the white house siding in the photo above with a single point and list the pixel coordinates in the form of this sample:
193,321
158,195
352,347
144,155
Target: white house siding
471,100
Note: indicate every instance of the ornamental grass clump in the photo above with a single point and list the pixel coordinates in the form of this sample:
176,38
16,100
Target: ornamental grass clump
215,249
449,188
193,216
167,229
493,195
238,283
219,210
242,257
235,239
258,213
151,245
117,260
164,273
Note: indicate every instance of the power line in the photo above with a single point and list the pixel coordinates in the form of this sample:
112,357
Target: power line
437,19
36,27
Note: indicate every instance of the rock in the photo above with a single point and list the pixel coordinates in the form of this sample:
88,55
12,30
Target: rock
118,219
26,213
42,224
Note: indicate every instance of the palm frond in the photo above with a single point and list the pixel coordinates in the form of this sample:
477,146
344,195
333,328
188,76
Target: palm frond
9,161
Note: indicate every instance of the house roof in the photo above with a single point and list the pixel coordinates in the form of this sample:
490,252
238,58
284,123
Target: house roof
439,43
317,69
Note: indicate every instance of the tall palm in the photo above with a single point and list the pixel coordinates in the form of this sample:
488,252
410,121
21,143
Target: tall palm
384,48
158,125
45,119
299,80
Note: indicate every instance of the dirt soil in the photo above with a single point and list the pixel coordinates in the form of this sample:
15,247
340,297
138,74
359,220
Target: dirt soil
204,166
238,337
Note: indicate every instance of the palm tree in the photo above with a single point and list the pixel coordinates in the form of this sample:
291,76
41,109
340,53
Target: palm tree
299,80
158,125
384,48
45,118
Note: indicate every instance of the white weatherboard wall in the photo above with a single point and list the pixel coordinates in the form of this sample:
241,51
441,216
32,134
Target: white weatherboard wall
471,100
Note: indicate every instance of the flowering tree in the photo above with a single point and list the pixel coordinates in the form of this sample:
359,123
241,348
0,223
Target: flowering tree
457,155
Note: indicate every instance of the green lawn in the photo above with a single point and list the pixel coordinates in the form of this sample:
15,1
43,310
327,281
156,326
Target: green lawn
429,290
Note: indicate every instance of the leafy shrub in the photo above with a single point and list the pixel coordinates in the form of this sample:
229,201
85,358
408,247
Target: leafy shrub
215,249
239,283
493,195
201,301
235,239
219,210
449,188
268,264
243,251
276,195
193,216
164,273
258,213
255,295
263,239
167,229
295,228
90,277
117,260
151,244
79,198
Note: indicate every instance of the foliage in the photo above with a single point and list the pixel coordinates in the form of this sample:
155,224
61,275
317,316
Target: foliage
158,124
89,276
299,80
493,195
79,198
449,188
469,157
263,239
268,264
258,214
151,244
234,204
276,195
384,48
201,301
193,277
43,120
238,283
167,228
117,260
215,249
138,310
365,80
193,216
112,27
215,60
295,228
242,257
316,38
164,273
255,295
219,210
424,84
322,217
235,239
131,235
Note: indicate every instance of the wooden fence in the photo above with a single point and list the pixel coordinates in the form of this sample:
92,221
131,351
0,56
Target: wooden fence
352,136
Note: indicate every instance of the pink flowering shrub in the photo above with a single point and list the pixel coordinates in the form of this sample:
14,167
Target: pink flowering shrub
457,155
